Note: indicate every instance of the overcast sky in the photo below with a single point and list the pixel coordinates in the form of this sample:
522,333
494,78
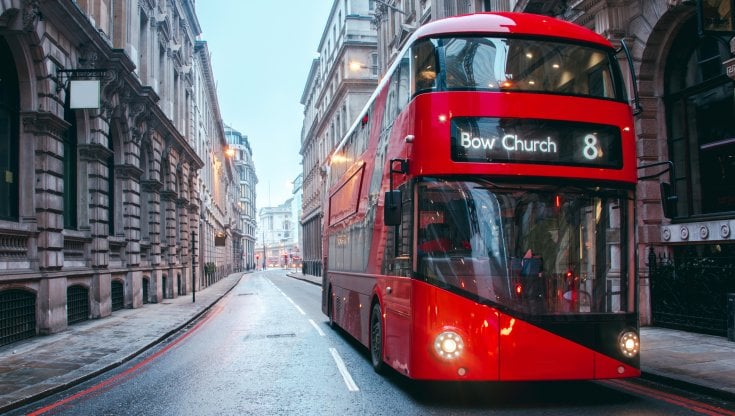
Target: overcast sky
261,52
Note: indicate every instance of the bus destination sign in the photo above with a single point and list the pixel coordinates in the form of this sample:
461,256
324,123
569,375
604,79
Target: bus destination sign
489,139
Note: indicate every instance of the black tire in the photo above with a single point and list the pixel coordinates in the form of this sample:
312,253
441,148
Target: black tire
376,339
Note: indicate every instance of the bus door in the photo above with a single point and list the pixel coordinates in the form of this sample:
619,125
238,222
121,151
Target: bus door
397,285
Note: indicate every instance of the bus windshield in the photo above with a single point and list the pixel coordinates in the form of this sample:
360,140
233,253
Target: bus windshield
541,249
515,64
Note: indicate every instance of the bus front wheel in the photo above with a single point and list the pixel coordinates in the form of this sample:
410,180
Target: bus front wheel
376,339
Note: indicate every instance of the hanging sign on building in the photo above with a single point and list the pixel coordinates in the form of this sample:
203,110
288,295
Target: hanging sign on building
84,93
219,239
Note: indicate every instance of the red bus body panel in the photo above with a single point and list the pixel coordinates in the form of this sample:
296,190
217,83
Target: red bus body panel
498,347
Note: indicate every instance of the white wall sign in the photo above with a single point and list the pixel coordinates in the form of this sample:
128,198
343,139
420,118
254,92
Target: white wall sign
84,93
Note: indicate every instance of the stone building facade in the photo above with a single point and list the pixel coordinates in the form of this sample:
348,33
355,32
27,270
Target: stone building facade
277,235
99,207
247,179
218,189
339,84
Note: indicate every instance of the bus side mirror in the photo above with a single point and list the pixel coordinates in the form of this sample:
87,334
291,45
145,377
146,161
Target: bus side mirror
392,208
668,200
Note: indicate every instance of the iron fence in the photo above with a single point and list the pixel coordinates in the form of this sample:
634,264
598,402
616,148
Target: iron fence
689,291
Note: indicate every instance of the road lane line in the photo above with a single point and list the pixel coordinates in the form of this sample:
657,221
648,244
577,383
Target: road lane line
351,386
319,330
289,299
297,306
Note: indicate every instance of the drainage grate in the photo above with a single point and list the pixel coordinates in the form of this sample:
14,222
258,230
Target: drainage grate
145,290
286,335
17,315
259,337
77,304
245,294
117,295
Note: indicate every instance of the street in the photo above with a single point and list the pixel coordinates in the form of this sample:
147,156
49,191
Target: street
265,348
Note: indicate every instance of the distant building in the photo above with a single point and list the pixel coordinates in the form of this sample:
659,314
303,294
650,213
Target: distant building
217,188
277,236
296,209
247,180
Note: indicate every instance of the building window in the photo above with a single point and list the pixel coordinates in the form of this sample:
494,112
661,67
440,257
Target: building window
701,135
9,140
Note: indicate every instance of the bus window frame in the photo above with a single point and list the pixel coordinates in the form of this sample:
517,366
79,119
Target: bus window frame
440,84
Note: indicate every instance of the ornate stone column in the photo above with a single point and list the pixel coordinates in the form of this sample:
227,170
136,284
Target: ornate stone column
48,129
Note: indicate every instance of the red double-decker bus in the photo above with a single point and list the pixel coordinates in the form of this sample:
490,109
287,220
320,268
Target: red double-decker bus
480,219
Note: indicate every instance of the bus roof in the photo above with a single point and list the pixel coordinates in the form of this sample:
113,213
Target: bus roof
509,23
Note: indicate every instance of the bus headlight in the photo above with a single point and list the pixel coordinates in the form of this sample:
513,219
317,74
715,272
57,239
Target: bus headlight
448,345
629,344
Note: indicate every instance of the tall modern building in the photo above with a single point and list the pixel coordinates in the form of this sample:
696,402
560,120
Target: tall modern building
104,202
338,85
239,149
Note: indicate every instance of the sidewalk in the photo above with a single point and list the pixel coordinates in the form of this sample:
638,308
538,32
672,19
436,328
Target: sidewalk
37,367
40,366
689,360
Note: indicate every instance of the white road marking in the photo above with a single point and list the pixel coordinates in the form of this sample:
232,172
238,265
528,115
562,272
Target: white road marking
319,330
351,386
289,299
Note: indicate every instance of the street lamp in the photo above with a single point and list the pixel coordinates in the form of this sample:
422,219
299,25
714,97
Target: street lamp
265,256
356,66
390,6
193,269
715,17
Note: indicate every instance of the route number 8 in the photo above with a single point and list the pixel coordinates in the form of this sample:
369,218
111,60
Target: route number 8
590,147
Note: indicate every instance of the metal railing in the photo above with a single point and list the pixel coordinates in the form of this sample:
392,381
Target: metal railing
690,292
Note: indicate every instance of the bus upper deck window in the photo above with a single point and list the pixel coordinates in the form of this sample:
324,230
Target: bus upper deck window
425,66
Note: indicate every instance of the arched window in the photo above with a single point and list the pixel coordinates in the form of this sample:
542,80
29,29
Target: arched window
9,140
701,135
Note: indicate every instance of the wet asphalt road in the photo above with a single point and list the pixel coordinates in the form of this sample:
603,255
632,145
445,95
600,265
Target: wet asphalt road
266,349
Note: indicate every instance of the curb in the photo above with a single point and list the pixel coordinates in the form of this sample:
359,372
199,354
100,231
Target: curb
303,279
687,385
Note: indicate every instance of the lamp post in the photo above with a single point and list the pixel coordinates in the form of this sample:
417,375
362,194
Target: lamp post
193,269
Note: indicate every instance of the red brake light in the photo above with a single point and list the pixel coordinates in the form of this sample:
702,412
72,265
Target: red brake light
519,289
